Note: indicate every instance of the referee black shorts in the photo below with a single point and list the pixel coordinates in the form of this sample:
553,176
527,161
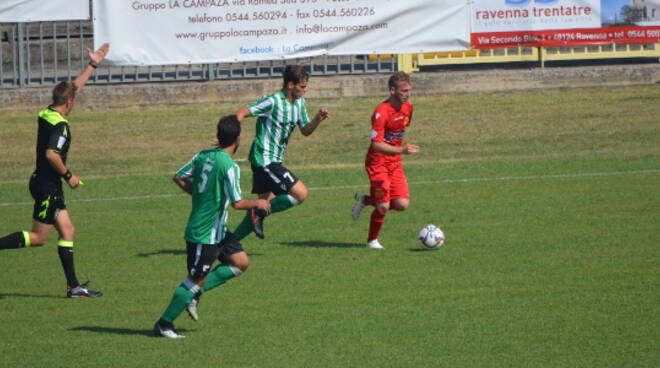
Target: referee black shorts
272,178
48,199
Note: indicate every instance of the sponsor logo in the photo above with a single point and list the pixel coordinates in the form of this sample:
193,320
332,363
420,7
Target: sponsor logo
395,135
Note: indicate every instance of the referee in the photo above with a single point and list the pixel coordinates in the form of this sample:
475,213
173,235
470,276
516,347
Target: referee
53,142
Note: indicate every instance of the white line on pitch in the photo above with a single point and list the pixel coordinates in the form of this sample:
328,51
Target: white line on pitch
444,181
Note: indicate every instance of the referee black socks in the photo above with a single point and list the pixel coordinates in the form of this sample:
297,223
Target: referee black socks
13,241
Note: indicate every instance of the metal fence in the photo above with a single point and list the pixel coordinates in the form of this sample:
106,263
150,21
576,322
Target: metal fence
45,53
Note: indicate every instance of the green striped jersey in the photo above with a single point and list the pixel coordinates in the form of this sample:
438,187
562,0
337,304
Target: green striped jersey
215,181
276,119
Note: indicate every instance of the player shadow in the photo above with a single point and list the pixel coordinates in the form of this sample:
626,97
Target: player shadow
21,295
171,252
177,252
120,331
322,244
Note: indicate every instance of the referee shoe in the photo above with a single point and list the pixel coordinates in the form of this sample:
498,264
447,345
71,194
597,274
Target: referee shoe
81,291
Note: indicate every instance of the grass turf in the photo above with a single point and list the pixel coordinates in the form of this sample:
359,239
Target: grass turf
549,201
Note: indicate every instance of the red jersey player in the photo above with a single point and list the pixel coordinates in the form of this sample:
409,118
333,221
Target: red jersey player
389,188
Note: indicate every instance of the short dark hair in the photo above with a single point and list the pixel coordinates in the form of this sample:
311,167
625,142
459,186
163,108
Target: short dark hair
62,92
398,77
295,74
229,129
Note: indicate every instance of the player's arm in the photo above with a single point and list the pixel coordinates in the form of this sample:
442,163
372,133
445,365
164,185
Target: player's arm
378,143
246,204
184,184
95,58
388,149
55,160
243,113
321,115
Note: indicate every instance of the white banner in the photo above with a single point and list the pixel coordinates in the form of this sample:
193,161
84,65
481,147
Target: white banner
155,32
532,15
12,11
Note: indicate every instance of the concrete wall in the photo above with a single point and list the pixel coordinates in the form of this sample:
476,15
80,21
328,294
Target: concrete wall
340,86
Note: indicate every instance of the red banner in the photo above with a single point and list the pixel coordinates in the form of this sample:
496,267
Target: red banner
566,37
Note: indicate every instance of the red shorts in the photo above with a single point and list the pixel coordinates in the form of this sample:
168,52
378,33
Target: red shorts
388,181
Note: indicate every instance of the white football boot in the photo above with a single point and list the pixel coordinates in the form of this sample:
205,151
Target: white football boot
193,307
359,205
374,244
164,329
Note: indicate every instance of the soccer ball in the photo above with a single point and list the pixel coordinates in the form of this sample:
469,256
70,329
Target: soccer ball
431,237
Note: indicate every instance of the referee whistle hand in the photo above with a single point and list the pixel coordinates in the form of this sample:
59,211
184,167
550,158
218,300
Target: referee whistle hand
74,182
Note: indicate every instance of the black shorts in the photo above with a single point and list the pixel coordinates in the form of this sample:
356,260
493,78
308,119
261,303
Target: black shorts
202,256
48,199
272,178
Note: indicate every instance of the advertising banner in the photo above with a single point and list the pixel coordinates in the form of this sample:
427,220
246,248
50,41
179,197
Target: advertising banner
567,37
531,15
14,11
552,23
155,32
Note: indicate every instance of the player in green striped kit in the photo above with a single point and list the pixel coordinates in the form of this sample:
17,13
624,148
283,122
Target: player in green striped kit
277,116
212,178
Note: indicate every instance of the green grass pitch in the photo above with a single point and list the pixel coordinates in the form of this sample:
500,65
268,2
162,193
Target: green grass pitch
550,201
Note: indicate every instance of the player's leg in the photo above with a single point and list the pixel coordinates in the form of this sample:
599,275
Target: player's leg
23,239
43,215
233,262
380,192
399,194
199,261
65,245
261,188
285,191
361,200
252,222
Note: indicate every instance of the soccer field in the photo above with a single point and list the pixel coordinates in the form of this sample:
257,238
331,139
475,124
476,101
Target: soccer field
550,201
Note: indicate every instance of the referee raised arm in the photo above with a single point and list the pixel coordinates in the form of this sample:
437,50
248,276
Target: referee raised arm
53,142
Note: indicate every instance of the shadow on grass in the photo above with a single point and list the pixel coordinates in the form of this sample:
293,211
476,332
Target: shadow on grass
171,252
322,244
120,331
178,252
21,295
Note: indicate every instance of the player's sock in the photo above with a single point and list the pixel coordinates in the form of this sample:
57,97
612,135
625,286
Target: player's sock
220,274
278,204
377,220
65,251
244,228
368,200
182,296
282,202
19,239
